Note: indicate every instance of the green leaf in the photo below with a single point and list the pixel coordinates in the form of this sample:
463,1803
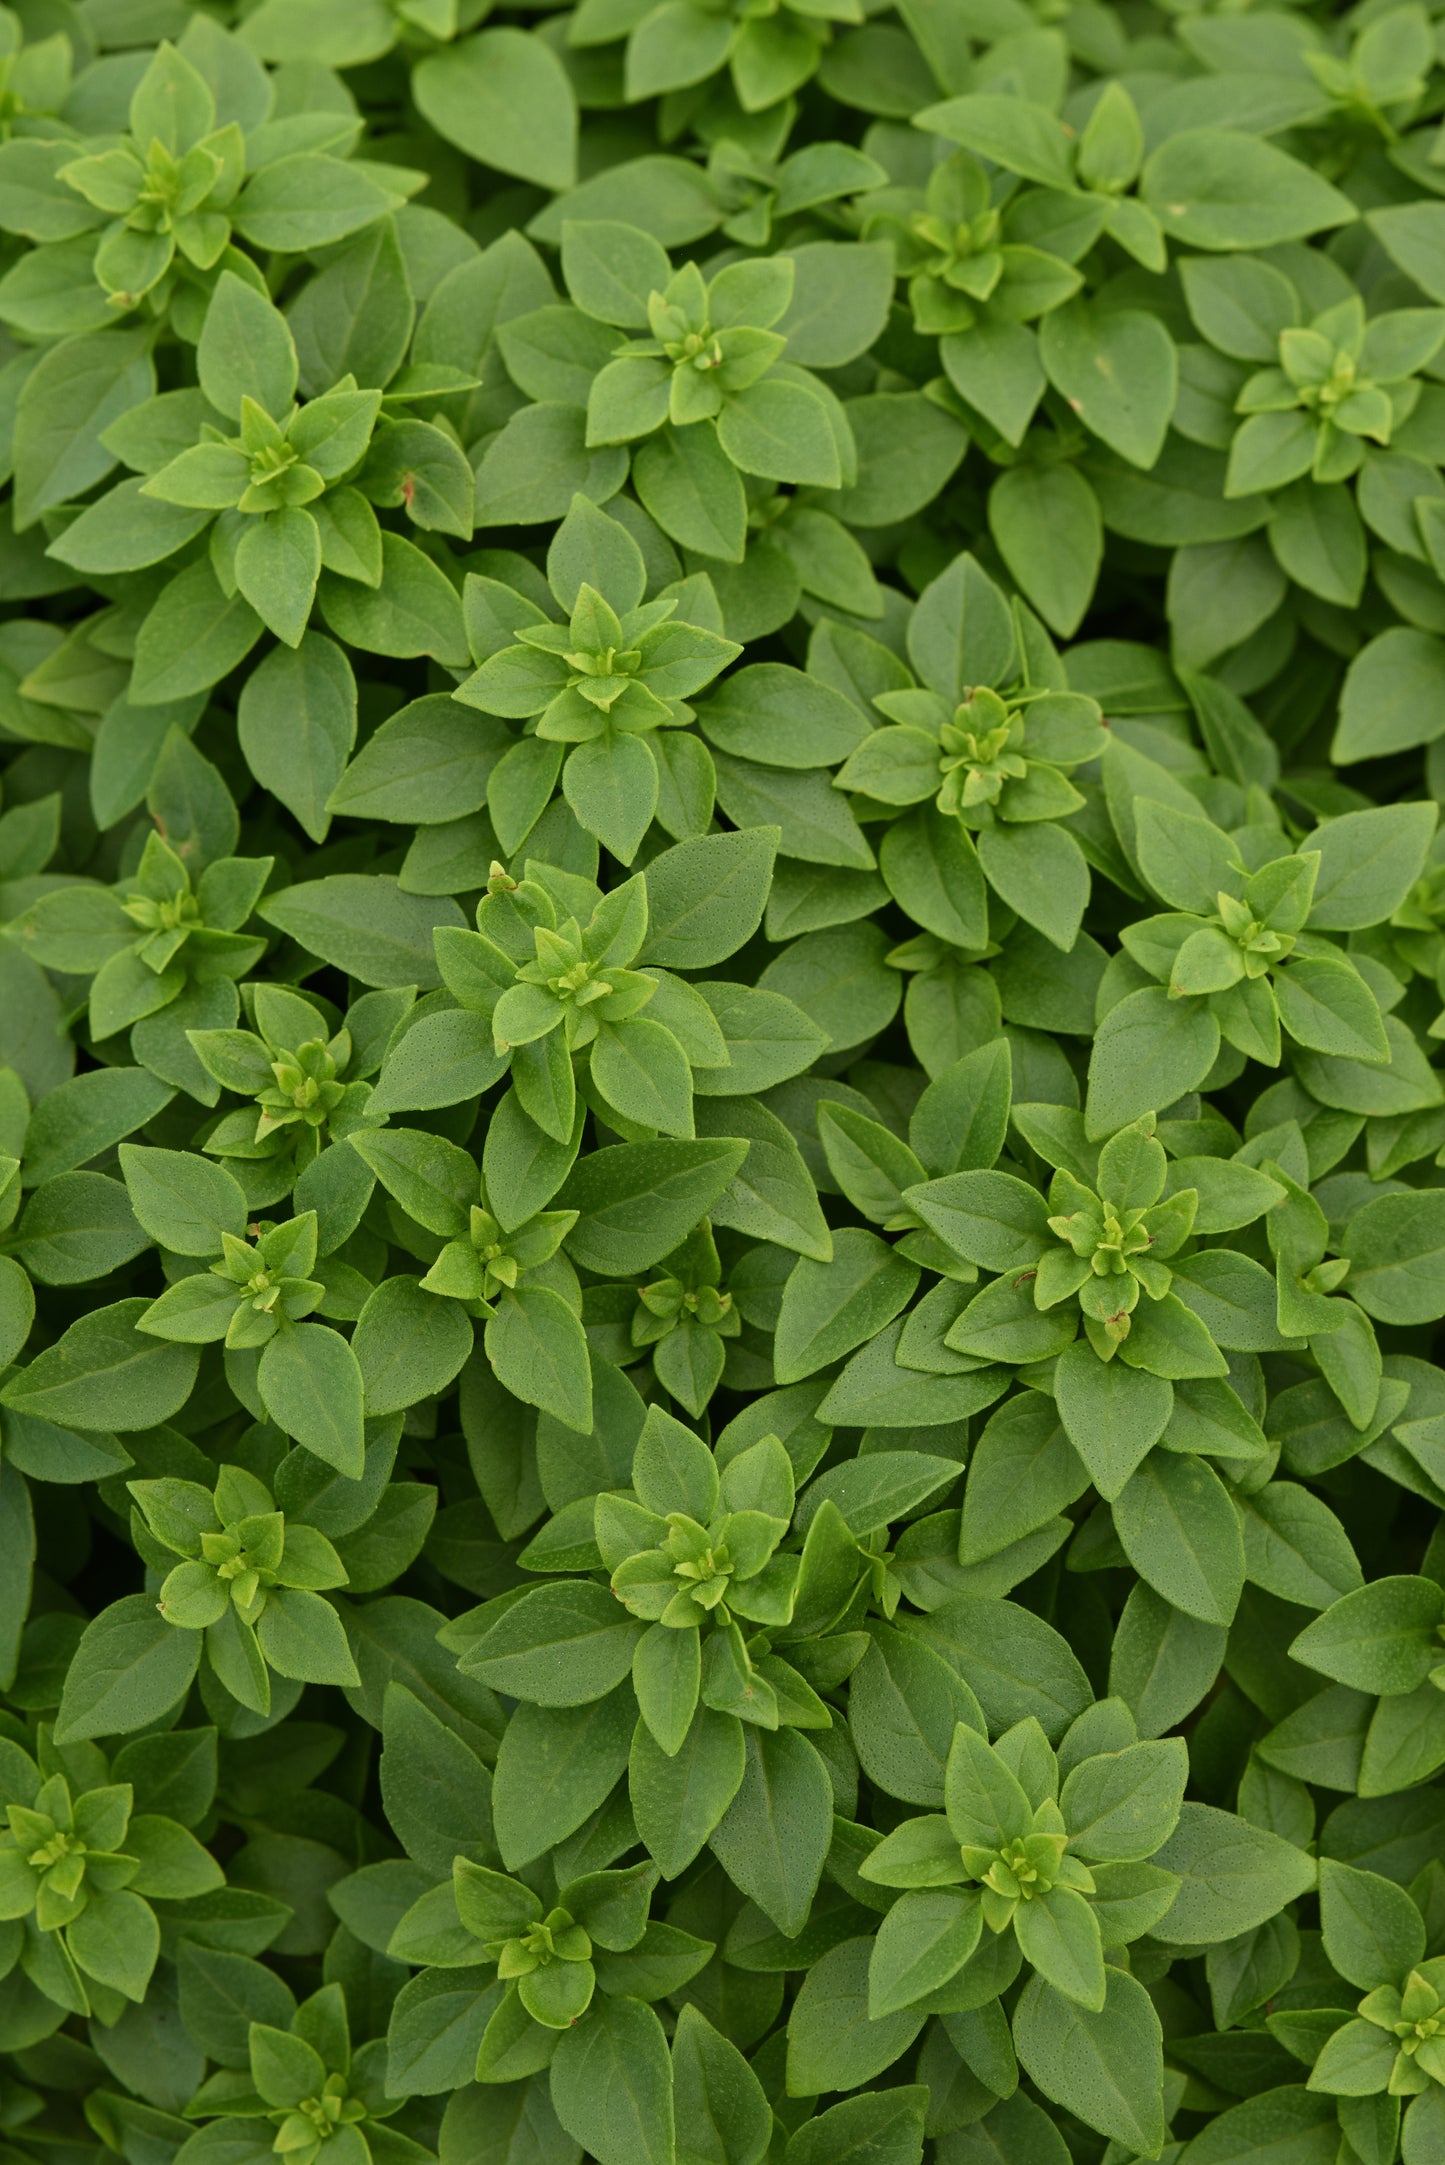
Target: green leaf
1411,235
1004,1323
840,298
1105,2067
302,1637
1118,369
555,1767
503,97
781,431
564,1644
1046,522
1180,1529
672,1470
686,480
589,548
666,1675
1149,1050
638,1201
537,1347
366,925
612,2085
1378,1638
961,1118
1374,1934
678,1799
1325,1004
194,635
1233,1876
1296,2121
996,368
130,1668
77,1227
829,1308
116,1940
413,612
79,1119
1233,1296
245,351
641,1070
428,764
832,2043
311,1385
1296,1548
433,1180
184,1202
308,201
532,469
931,868
612,786
1387,702
882,2128
1186,860
65,406
723,2116
611,269
442,1059
705,897
903,1703
1369,861
876,1388
1060,1937
1112,1415
1163,1662
297,724
1024,1470
408,1344
986,1804
772,1197
1396,1251
1119,1806
104,1373
1017,1665
775,1834
813,821
436,1792
989,1218
782,717
18,1547
1217,188
961,632
1013,132
926,1937
1041,872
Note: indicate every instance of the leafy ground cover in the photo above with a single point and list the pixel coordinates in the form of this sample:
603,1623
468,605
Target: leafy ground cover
722,946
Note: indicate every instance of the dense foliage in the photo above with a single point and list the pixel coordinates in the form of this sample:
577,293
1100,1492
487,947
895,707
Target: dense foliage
721,961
